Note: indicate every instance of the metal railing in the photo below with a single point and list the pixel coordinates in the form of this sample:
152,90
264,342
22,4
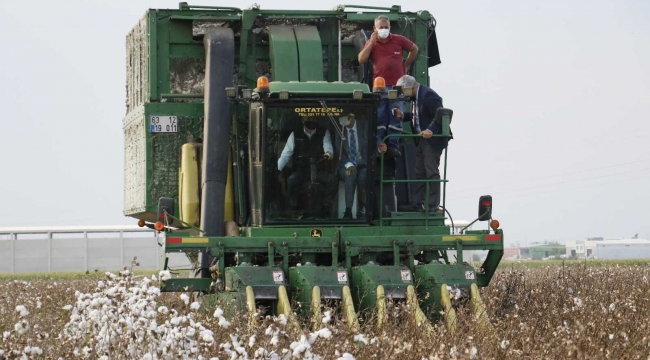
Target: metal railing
77,248
426,215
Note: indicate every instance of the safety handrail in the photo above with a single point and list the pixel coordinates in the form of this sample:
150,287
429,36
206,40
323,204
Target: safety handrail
443,180
186,6
396,8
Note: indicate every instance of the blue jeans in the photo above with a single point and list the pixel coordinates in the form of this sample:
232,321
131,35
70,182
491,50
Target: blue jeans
387,123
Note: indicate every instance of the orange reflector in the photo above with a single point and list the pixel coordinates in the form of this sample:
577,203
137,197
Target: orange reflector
494,224
379,84
141,223
262,83
159,226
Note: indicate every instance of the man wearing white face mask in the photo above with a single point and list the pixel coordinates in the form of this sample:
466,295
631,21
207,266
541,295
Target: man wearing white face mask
386,52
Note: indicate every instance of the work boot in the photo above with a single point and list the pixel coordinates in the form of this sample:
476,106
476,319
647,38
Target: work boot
361,212
411,208
348,213
394,153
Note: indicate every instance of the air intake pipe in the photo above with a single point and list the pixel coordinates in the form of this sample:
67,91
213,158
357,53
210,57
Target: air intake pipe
220,51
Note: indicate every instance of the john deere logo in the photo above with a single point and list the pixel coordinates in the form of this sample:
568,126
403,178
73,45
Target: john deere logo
316,233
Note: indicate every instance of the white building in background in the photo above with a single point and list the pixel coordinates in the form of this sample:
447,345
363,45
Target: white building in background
623,249
598,248
582,248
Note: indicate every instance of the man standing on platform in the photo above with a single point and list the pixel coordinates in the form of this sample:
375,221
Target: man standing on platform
427,162
386,52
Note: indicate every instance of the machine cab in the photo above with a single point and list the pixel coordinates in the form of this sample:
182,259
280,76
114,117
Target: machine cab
312,153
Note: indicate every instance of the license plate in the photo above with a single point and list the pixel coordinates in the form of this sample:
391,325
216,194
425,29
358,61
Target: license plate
164,124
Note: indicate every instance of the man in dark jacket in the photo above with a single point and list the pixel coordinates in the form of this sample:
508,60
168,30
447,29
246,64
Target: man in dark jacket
306,147
427,162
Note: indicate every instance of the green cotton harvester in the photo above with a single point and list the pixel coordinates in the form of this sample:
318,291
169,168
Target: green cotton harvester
214,93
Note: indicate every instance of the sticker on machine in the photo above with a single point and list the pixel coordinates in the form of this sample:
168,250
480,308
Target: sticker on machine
163,124
469,275
406,275
342,277
278,277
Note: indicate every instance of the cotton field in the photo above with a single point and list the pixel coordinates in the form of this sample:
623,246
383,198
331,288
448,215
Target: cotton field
547,312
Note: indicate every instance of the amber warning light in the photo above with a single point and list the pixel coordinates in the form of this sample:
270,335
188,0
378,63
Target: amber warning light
262,83
379,85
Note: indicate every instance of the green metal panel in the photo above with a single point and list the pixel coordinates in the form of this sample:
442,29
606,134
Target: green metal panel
310,54
430,278
284,53
365,279
187,285
304,278
320,87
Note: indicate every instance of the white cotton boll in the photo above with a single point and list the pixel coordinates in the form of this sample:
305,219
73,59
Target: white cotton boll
282,319
260,353
207,338
611,336
152,290
21,327
147,357
453,352
473,352
361,338
300,348
22,310
505,344
6,335
195,306
38,304
163,310
251,341
185,298
269,330
327,317
346,356
164,275
100,284
223,322
577,301
324,333
218,313
612,307
274,340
